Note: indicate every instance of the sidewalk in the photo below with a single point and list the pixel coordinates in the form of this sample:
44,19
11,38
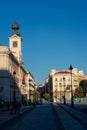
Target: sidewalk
71,118
7,115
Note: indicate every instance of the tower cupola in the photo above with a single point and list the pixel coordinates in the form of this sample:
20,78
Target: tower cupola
15,28
15,42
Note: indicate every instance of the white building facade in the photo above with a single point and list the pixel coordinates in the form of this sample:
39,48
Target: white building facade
60,83
14,78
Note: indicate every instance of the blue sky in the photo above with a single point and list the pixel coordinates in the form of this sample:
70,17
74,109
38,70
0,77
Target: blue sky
54,33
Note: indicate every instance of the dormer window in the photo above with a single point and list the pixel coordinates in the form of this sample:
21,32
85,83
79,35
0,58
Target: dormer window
14,43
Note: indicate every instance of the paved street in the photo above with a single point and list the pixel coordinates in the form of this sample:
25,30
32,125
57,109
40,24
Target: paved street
40,118
8,115
48,117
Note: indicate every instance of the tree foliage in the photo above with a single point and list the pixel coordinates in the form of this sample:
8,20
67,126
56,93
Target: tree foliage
79,92
68,87
46,96
36,95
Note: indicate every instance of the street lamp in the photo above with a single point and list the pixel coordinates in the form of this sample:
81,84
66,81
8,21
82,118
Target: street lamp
64,89
10,88
30,80
60,91
72,101
14,98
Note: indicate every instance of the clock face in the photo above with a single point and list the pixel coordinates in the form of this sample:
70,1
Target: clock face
15,44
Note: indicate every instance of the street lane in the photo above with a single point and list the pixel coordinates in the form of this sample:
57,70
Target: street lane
42,117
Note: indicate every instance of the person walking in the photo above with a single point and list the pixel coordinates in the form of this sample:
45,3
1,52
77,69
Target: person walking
15,107
19,107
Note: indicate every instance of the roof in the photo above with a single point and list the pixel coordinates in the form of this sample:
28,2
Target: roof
18,34
62,72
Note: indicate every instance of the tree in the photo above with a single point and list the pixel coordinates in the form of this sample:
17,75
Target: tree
36,95
79,92
46,96
68,88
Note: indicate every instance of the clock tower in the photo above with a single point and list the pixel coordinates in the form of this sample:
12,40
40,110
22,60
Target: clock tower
15,42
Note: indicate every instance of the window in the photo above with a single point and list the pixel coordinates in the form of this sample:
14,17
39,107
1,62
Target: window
56,85
60,79
55,79
14,43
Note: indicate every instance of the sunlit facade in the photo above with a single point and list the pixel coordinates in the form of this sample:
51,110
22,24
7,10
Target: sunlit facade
60,83
11,61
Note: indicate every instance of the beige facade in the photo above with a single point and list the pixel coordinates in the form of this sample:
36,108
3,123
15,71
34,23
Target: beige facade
13,85
15,45
60,83
8,65
31,86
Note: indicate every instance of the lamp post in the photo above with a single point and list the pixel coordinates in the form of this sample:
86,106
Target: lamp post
64,89
60,91
72,102
10,88
30,80
14,98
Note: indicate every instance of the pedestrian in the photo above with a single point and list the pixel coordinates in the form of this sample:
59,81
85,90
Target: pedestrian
40,101
15,107
19,108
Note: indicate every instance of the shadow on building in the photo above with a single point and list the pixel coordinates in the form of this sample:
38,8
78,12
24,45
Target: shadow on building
83,83
9,87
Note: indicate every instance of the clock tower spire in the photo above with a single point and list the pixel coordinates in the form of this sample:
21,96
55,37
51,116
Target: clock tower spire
15,42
